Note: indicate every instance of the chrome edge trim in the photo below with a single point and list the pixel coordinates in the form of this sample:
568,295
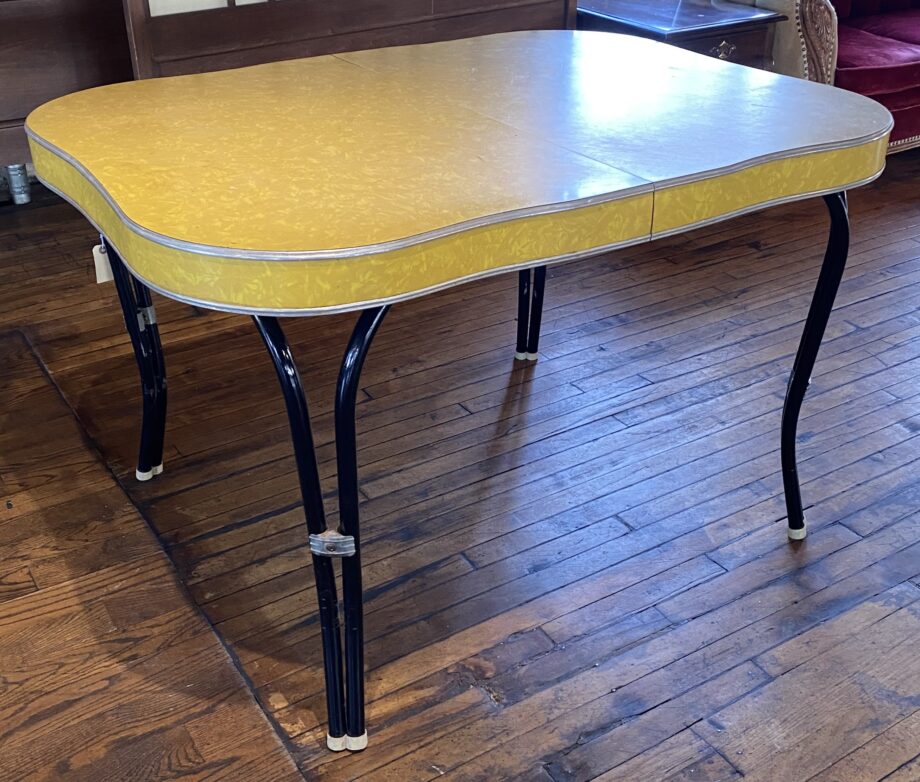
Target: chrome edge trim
648,188
765,205
355,307
502,217
418,293
817,149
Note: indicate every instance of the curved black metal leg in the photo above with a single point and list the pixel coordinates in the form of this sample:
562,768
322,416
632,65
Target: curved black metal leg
141,323
154,349
822,303
523,320
302,436
347,462
531,285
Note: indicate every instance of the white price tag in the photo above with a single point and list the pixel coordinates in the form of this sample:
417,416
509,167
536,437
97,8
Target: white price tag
103,267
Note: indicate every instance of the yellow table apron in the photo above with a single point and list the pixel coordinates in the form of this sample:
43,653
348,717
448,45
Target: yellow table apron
354,181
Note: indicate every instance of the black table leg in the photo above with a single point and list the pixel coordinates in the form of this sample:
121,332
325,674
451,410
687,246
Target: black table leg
822,303
531,286
140,320
536,312
347,463
523,318
324,543
344,699
154,349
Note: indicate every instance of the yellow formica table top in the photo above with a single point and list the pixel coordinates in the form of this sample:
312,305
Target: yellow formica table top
339,182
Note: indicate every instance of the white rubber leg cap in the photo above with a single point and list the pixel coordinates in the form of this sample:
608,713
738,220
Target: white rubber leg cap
146,476
356,743
337,743
521,356
532,356
798,534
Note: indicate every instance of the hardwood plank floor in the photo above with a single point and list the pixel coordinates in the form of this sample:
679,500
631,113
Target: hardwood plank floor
107,670
575,569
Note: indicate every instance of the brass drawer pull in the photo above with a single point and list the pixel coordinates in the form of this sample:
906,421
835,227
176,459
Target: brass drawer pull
724,50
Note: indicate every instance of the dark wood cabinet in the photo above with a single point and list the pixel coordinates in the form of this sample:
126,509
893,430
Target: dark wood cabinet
246,34
49,48
719,28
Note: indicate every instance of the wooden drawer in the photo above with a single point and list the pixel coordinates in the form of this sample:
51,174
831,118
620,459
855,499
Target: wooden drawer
746,41
752,47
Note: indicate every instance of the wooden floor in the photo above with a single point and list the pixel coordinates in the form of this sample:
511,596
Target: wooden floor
107,670
575,569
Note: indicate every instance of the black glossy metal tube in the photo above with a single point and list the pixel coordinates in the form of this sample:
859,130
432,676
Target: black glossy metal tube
307,472
523,318
150,337
536,310
148,353
347,462
835,259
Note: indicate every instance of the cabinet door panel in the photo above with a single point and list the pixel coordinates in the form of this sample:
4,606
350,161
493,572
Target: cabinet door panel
252,26
543,15
53,47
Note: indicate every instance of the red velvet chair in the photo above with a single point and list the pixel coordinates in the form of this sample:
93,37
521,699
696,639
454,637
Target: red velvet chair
878,54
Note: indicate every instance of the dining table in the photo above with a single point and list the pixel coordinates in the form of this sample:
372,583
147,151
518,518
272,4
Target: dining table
350,183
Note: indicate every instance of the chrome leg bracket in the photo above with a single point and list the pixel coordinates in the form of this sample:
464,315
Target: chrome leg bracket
146,316
332,543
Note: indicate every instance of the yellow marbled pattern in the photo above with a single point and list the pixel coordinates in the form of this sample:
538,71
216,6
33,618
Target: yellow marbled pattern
316,286
306,155
333,182
681,206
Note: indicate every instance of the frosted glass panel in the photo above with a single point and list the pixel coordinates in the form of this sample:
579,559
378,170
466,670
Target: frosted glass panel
164,7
